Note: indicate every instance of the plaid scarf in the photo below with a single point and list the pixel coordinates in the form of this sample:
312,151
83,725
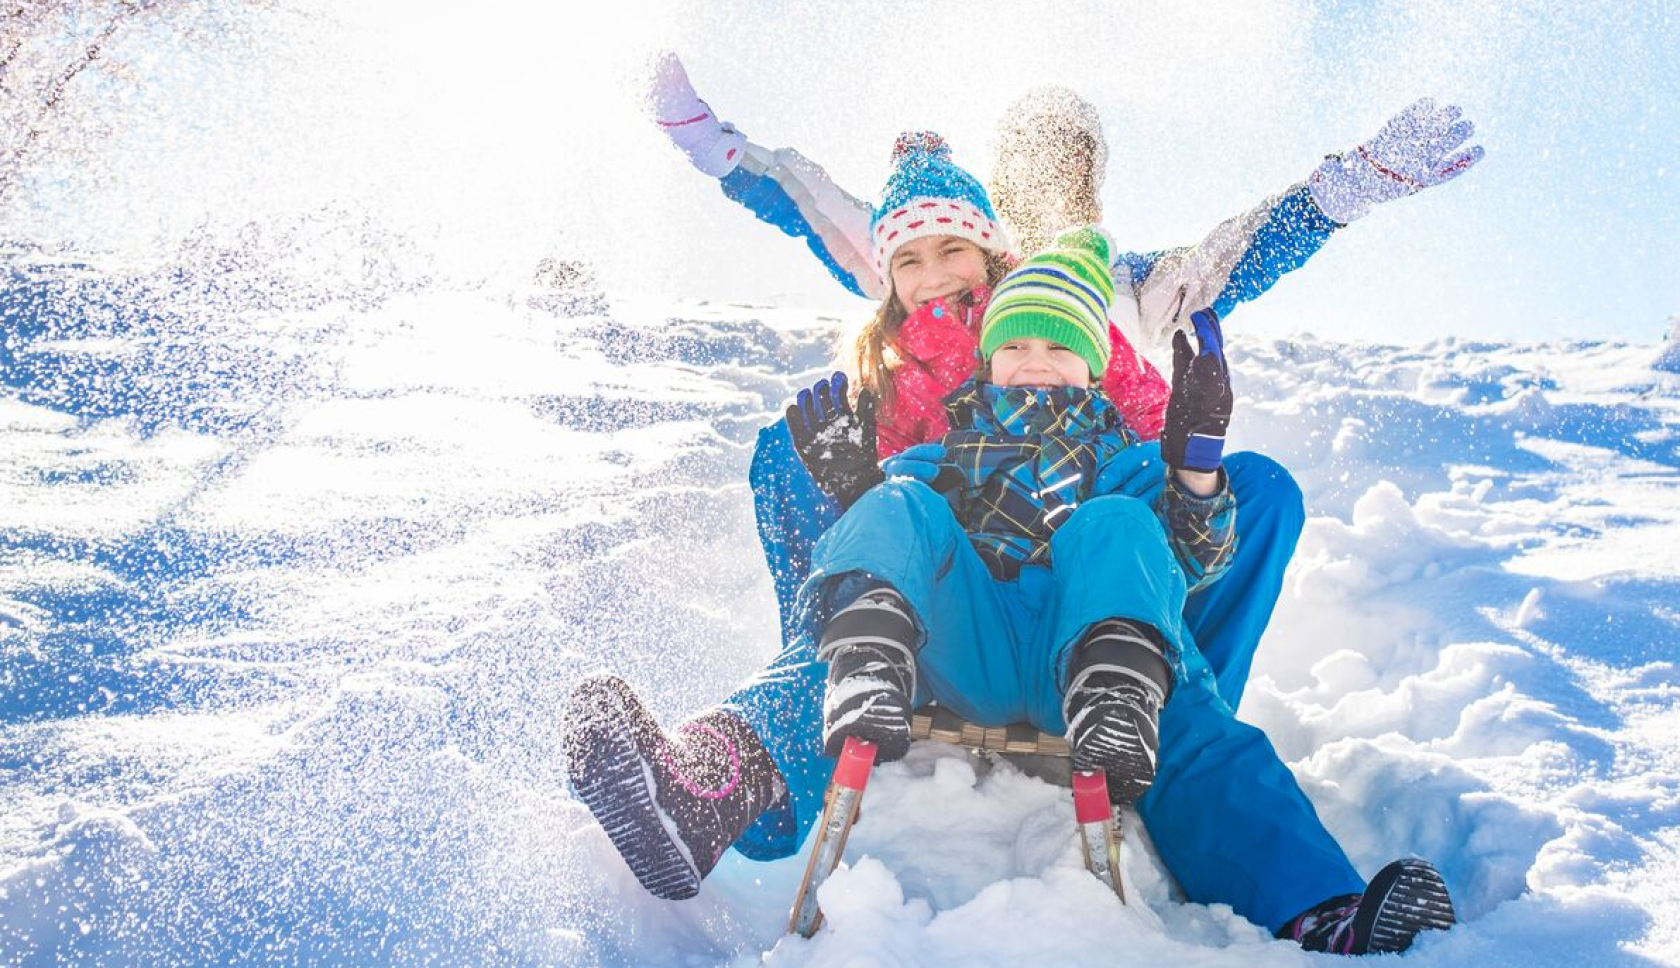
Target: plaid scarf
1028,458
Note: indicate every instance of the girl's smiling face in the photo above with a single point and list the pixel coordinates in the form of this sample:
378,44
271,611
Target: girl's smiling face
1034,362
938,265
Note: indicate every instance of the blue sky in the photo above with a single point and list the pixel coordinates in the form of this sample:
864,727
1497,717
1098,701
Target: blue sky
1569,228
518,133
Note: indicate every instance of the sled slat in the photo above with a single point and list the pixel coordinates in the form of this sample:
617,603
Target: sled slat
941,725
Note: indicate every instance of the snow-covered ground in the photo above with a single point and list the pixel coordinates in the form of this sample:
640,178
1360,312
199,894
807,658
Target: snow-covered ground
291,583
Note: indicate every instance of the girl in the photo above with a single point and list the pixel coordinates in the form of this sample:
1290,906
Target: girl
750,773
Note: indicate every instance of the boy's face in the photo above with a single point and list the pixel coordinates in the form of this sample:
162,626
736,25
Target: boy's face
939,265
1034,362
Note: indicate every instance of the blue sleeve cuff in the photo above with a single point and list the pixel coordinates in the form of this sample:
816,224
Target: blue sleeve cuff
1203,453
1293,232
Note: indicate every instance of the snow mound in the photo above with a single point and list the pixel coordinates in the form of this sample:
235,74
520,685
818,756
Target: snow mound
1668,359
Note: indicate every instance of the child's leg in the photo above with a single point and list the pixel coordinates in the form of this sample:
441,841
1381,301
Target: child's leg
1228,817
1226,814
1270,858
1109,560
903,534
1102,655
782,705
1226,619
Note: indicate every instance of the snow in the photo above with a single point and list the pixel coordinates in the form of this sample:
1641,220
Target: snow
1668,361
282,645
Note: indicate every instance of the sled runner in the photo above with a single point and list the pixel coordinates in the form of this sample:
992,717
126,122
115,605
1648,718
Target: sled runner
1100,829
840,810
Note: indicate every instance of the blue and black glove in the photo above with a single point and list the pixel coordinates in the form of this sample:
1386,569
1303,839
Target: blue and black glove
836,443
1200,408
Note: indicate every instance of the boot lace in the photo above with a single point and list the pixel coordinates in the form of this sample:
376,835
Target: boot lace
1328,927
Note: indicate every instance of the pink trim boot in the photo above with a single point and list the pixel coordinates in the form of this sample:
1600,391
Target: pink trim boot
1405,899
671,802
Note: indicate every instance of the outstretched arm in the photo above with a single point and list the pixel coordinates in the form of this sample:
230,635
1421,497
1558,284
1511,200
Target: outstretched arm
1418,148
1237,261
780,187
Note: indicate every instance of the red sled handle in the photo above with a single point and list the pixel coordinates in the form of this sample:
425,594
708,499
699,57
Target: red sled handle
856,760
1090,796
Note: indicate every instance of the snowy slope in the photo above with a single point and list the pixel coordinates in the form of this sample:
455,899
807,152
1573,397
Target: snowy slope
291,582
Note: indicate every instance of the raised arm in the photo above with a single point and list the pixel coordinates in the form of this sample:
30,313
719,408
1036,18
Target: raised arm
1418,148
779,186
1237,261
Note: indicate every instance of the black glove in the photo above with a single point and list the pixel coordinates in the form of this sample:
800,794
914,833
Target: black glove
836,444
1200,409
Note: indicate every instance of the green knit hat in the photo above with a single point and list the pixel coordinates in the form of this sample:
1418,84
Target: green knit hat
1060,294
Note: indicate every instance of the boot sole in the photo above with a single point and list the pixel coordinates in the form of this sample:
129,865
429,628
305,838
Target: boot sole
1413,899
1130,768
611,779
1137,770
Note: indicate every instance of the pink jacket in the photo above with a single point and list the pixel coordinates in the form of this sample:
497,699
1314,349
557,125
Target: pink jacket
939,349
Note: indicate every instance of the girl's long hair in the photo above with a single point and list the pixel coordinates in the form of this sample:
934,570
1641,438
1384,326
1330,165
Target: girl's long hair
868,356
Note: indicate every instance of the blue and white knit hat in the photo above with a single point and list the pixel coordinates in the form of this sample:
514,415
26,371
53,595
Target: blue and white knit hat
927,194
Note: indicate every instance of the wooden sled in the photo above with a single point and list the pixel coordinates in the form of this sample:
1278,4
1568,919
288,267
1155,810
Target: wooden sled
1100,830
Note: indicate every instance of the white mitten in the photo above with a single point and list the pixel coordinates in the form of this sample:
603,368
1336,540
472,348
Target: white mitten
712,145
1417,148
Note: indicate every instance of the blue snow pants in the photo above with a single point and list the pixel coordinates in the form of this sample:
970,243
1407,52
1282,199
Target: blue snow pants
996,652
1225,813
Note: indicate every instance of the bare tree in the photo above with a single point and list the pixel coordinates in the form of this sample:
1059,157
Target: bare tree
44,45
56,53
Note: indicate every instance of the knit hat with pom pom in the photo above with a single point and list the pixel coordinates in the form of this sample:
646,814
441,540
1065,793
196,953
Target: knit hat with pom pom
927,194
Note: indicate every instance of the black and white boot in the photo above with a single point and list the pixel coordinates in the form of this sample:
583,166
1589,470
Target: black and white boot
672,802
1118,680
869,648
1405,899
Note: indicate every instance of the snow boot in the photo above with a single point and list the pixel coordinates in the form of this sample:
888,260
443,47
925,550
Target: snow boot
869,648
672,802
1405,898
1118,680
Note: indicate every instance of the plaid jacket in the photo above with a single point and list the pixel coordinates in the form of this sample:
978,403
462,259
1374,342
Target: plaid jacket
1029,457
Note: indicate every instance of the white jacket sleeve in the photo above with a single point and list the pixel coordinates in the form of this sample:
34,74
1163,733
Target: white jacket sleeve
1237,261
796,195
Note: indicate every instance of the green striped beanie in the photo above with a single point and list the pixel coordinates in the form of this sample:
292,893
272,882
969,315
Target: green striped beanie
1061,294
